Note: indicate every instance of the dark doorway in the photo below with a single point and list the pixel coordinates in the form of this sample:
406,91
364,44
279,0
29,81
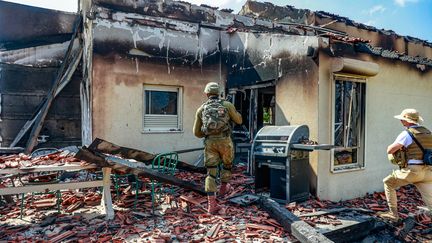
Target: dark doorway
257,106
266,107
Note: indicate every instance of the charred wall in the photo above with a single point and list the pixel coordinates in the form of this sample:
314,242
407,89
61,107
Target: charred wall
384,39
249,57
23,26
22,89
252,58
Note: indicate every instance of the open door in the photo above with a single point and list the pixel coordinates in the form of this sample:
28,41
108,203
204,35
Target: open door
257,107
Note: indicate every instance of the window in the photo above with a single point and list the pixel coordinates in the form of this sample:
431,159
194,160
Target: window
162,108
349,123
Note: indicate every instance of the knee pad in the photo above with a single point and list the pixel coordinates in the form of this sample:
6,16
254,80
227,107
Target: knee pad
212,172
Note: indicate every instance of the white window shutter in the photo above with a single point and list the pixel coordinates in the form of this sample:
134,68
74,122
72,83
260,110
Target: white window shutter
161,122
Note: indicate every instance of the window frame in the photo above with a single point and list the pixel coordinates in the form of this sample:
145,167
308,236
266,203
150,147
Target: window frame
361,159
163,88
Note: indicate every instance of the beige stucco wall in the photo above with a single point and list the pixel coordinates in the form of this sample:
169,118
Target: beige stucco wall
117,102
397,86
297,101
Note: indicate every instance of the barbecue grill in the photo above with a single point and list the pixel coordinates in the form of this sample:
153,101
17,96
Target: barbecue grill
281,161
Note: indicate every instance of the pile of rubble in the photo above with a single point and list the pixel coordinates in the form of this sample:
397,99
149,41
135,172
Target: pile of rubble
35,204
415,225
23,160
182,216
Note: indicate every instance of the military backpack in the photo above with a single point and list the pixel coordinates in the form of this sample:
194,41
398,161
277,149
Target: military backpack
215,118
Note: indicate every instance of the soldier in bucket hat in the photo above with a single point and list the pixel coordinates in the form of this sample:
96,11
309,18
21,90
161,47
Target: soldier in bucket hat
415,172
213,122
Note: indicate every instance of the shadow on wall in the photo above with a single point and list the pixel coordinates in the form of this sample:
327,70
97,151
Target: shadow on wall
281,119
313,181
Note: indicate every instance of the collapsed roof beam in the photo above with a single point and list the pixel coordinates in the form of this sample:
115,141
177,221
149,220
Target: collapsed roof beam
136,168
103,146
298,228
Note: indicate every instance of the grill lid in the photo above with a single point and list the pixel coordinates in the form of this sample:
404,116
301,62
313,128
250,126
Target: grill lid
276,131
287,134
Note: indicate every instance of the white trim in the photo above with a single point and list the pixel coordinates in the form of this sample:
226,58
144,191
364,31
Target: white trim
347,168
179,91
358,165
106,201
51,187
160,131
68,167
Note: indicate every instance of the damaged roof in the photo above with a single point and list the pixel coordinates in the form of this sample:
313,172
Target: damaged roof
350,22
203,15
257,17
305,16
385,46
27,26
377,51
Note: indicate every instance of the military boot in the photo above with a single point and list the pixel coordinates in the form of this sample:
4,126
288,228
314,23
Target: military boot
391,215
213,207
224,189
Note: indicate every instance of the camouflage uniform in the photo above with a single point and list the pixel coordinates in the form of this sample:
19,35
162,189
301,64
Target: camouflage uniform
218,148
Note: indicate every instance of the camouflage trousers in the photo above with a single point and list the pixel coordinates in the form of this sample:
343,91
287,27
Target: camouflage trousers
218,151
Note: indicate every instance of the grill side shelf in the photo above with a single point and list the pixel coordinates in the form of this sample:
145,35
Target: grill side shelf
308,147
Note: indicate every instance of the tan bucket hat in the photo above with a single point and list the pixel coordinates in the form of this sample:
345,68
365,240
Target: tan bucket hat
410,115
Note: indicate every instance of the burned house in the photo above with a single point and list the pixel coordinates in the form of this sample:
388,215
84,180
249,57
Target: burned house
350,99
148,55
145,65
33,42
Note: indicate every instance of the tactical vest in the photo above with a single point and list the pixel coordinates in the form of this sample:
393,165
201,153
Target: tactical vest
424,136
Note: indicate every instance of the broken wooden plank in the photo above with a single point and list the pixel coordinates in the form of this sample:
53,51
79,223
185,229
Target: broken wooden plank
261,227
190,200
50,187
45,168
87,155
298,228
103,146
63,236
214,230
135,167
335,210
